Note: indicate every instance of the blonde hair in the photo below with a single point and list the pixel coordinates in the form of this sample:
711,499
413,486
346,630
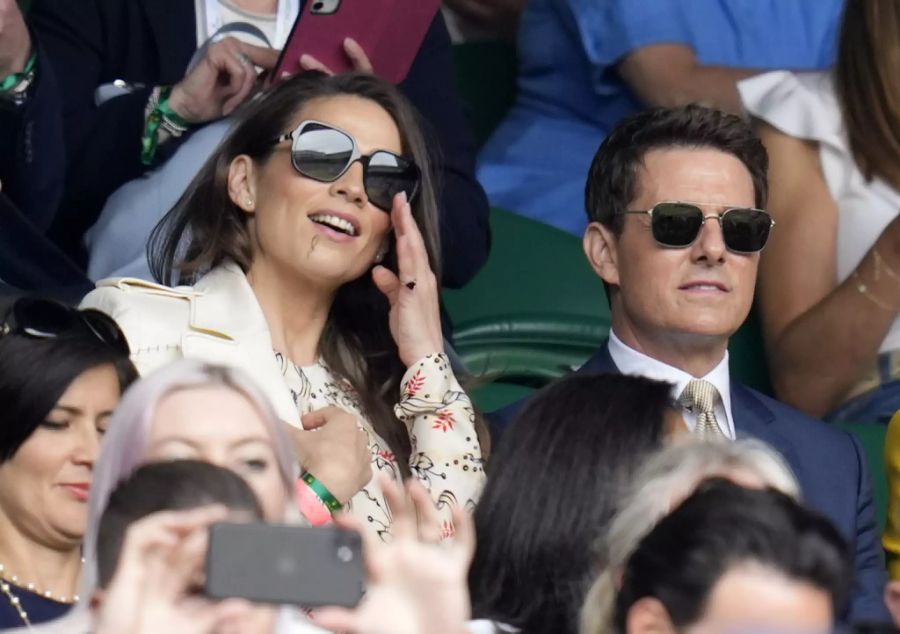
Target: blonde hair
661,484
124,446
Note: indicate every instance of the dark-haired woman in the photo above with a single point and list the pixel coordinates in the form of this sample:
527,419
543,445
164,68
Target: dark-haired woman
552,492
730,559
61,374
830,280
310,242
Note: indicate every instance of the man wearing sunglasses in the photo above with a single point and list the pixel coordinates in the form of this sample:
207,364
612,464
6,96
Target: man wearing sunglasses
675,201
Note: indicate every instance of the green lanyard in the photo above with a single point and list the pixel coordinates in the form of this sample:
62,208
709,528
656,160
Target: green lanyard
11,81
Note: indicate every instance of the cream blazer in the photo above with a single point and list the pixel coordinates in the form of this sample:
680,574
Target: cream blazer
217,320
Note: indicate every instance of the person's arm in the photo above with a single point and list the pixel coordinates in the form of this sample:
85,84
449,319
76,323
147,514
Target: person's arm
670,75
462,203
104,144
819,336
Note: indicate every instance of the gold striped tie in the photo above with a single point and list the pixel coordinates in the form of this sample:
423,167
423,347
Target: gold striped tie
700,396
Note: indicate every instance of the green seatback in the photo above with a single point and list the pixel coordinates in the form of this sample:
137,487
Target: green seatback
535,311
486,79
871,437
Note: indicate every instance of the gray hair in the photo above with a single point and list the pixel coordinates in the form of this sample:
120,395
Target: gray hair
661,484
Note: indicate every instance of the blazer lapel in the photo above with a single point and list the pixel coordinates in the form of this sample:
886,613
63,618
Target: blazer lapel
227,326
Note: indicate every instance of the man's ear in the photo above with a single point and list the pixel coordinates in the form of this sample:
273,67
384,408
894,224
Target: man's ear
242,183
600,247
648,616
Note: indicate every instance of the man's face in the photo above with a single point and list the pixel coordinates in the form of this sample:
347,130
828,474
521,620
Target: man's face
698,294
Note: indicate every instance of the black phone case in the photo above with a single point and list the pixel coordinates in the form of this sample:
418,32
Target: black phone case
270,563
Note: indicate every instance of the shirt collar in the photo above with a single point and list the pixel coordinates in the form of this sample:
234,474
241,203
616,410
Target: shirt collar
630,361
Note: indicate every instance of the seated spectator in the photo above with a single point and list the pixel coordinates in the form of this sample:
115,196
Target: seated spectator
830,281
61,374
32,167
166,505
661,484
583,66
314,229
584,436
732,559
676,199
118,61
191,410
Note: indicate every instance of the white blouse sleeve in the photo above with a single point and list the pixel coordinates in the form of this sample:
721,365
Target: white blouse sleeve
446,455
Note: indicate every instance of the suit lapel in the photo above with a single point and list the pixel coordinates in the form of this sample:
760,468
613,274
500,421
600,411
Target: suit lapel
752,418
600,363
174,26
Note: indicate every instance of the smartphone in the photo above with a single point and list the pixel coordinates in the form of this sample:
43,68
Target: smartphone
274,563
389,31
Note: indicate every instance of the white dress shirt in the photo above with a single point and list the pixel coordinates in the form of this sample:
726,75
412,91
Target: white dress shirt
630,361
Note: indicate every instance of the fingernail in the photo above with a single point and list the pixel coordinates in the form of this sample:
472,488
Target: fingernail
305,60
405,199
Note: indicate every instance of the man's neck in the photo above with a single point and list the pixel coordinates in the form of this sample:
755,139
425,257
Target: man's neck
296,310
696,355
52,568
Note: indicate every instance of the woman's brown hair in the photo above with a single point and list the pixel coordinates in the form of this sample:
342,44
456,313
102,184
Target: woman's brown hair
867,83
205,228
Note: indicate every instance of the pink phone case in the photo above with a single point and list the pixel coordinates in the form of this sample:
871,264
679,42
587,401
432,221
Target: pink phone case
389,31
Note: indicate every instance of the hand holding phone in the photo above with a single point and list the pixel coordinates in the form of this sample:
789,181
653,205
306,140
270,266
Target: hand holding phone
386,36
273,563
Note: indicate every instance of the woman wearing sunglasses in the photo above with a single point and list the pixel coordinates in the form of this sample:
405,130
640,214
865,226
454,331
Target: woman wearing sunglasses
308,247
829,290
61,374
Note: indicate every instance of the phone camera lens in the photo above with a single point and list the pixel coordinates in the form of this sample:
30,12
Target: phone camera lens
318,6
345,554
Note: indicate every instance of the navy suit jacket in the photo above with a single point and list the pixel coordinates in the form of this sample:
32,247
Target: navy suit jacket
829,465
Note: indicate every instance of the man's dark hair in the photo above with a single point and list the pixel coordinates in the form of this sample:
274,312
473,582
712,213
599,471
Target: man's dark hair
612,180
721,526
552,489
166,486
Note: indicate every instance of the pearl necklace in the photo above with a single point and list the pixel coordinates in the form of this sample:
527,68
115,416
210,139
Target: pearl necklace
6,585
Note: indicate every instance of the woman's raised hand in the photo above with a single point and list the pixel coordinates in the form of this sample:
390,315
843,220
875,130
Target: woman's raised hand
333,446
415,584
415,318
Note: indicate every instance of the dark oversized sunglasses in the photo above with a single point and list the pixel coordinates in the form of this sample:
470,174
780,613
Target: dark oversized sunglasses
324,153
46,319
677,224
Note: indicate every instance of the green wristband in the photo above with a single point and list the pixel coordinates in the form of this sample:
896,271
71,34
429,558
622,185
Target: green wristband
327,498
160,114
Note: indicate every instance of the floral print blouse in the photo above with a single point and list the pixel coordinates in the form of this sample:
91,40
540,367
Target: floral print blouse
446,456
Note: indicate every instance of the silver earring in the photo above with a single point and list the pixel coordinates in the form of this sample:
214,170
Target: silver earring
379,256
